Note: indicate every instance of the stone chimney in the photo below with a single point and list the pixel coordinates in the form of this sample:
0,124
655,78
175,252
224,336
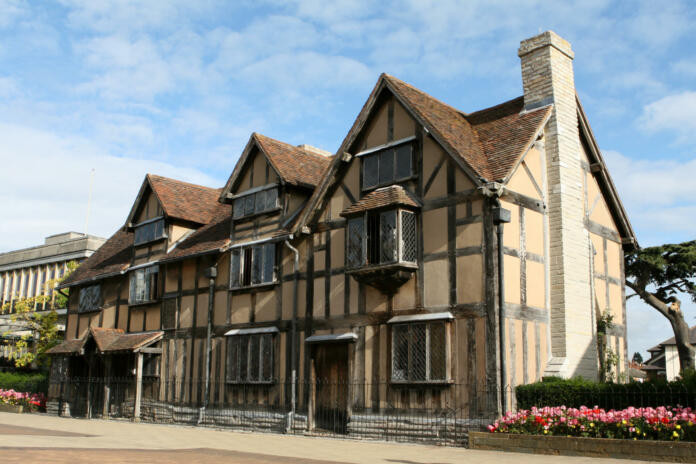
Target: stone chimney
547,78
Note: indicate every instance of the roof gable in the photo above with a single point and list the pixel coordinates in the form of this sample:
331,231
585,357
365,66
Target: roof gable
296,166
599,170
179,200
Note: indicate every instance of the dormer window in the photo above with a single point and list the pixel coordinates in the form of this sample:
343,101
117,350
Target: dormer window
387,165
149,231
256,201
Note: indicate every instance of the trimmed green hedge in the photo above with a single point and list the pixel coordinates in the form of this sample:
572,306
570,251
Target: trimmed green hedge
24,382
573,393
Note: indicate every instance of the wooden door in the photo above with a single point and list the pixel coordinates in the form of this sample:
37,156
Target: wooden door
332,387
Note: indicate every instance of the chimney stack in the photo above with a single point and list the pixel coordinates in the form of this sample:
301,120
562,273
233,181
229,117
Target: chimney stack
547,78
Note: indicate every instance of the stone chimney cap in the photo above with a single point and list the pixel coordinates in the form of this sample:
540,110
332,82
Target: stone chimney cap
315,150
546,39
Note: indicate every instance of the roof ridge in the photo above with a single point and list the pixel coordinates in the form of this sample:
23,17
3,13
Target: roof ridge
494,107
151,176
390,77
293,147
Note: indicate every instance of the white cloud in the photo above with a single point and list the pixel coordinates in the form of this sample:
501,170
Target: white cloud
685,67
675,113
45,180
11,10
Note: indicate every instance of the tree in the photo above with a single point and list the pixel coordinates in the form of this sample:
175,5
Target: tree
40,327
657,275
637,358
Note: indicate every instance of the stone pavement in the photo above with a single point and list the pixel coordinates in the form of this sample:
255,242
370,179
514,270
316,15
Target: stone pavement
40,438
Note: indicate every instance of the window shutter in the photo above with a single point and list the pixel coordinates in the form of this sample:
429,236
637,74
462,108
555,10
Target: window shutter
403,162
386,166
356,230
408,237
260,201
234,268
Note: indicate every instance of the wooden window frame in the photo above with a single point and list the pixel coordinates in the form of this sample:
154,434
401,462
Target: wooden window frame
245,262
150,223
428,354
152,295
239,340
376,154
256,192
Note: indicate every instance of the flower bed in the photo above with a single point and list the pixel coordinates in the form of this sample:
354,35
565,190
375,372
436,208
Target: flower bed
661,423
30,401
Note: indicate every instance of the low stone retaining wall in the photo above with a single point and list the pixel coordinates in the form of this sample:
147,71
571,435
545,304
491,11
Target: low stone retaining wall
662,451
17,409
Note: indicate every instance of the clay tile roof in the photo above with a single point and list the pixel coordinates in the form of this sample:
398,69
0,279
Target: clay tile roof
295,165
380,198
211,237
104,337
672,341
112,257
133,341
181,200
68,347
504,132
490,141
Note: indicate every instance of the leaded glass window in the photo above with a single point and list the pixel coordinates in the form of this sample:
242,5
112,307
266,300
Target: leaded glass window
381,237
149,232
387,166
419,352
250,358
144,285
253,265
90,298
255,202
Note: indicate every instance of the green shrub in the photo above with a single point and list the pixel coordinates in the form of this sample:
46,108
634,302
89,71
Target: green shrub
574,393
24,382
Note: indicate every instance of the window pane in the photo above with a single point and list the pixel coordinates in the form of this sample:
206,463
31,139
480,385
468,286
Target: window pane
355,241
403,162
267,356
234,268
248,205
233,359
254,353
387,236
243,357
256,264
89,298
418,352
400,352
268,262
437,351
246,269
260,201
370,170
373,239
386,166
408,236
271,198
239,207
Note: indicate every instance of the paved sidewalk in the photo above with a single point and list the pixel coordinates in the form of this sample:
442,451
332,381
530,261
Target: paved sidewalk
41,438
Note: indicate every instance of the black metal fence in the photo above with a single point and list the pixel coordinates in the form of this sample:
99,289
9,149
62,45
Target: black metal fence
431,413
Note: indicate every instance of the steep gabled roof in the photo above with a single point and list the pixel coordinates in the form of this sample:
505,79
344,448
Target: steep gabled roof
210,238
179,200
113,257
297,166
488,145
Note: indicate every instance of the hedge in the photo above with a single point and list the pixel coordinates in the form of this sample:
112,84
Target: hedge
574,393
24,382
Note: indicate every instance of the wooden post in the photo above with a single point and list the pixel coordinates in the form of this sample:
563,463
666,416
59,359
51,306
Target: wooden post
107,386
138,386
89,386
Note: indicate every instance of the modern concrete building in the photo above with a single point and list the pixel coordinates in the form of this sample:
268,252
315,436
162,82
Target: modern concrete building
24,273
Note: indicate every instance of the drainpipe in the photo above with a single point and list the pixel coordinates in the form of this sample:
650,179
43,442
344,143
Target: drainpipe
501,216
211,273
293,327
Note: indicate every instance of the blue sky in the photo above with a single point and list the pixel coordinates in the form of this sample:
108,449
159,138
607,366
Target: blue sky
176,88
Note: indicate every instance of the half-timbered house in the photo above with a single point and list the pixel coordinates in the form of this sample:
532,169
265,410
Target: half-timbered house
437,259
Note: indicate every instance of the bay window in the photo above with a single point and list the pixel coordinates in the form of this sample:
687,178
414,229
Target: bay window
381,237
